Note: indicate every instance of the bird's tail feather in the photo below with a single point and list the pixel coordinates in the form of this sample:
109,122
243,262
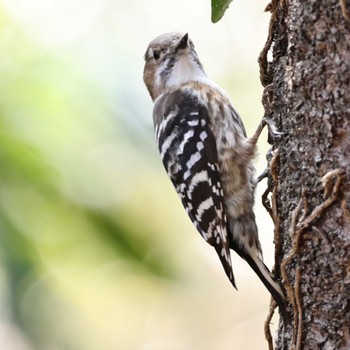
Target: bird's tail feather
268,280
227,265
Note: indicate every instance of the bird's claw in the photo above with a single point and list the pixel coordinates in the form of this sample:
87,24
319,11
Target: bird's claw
273,131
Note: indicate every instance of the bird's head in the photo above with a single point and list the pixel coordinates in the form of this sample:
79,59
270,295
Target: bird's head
170,60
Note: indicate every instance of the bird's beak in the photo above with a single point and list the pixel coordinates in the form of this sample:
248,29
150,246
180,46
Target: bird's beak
182,43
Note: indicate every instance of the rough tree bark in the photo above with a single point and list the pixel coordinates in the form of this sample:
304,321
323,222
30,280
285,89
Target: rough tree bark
307,95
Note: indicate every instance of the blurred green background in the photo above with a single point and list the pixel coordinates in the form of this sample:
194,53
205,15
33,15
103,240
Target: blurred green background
96,251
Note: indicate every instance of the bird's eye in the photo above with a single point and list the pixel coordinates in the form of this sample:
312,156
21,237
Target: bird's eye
156,55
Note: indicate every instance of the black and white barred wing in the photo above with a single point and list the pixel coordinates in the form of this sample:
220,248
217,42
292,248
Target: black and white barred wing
188,151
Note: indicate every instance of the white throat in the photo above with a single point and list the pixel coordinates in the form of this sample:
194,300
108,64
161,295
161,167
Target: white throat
185,69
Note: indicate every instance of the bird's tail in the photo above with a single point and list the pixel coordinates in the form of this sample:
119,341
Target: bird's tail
268,280
227,264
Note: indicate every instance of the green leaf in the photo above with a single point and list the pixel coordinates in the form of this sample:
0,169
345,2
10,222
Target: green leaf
218,8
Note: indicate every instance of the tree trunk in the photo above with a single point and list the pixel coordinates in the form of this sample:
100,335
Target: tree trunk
307,95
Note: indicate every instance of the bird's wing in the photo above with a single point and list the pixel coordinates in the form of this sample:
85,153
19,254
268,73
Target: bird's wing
188,150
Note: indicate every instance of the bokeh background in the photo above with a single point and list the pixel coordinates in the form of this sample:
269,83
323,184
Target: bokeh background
96,251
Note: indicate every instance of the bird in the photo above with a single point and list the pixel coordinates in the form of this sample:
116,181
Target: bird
206,153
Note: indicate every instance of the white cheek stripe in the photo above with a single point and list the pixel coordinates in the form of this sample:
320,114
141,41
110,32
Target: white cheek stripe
184,70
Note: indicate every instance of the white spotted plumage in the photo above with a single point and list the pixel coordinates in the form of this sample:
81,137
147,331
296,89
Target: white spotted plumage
205,151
